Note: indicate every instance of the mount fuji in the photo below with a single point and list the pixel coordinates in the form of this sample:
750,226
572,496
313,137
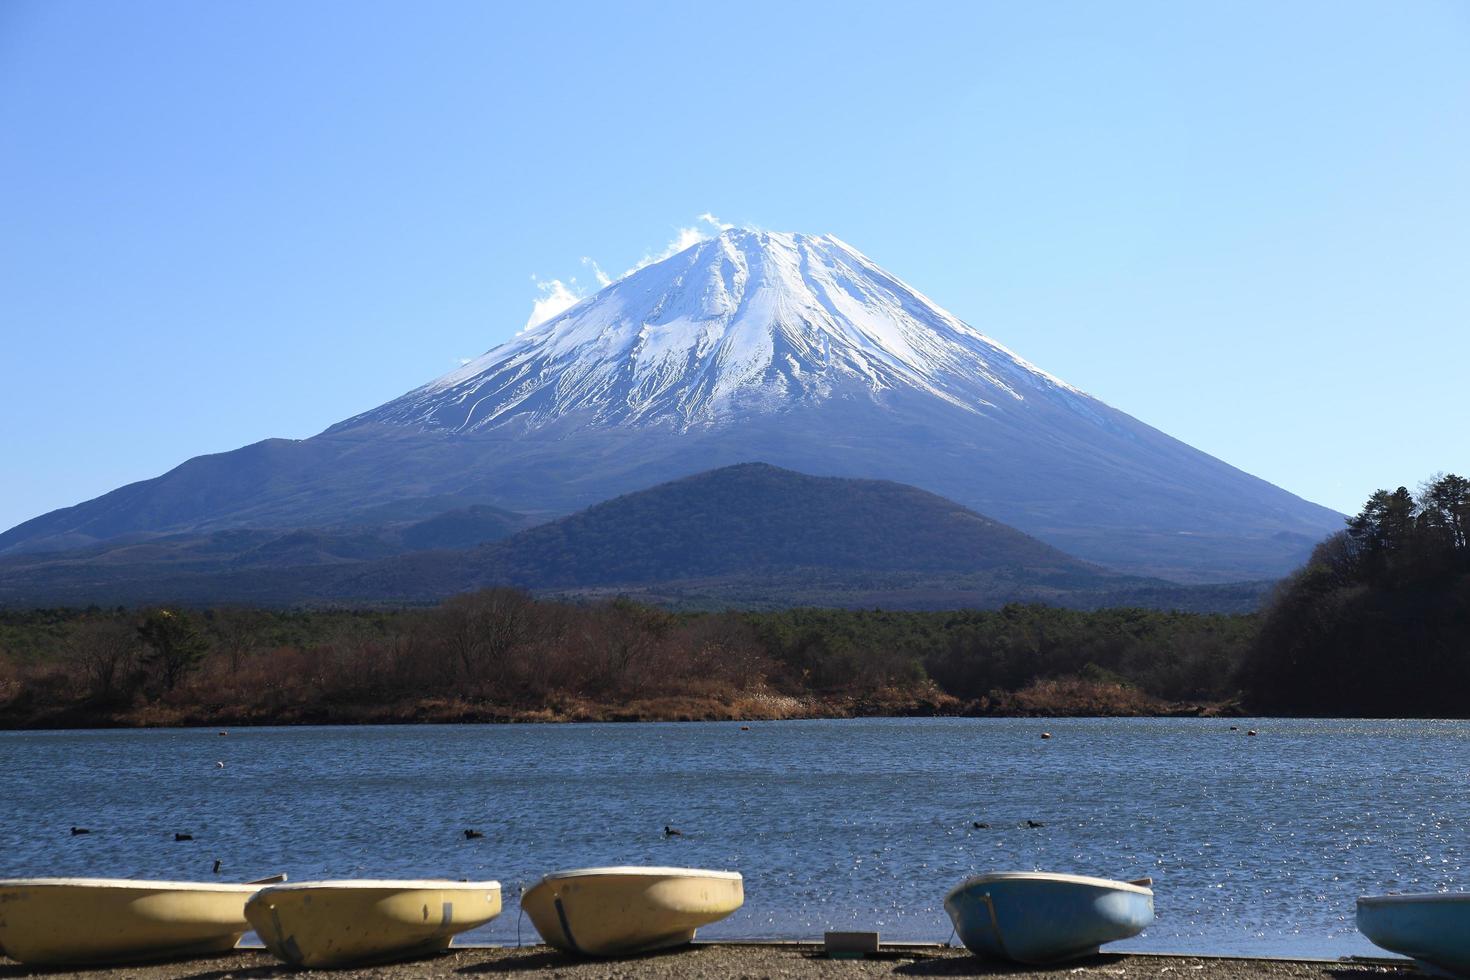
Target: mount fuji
788,349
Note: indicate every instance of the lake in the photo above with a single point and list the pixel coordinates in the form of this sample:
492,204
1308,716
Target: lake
1255,844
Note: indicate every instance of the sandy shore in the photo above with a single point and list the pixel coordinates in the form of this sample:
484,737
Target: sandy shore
717,961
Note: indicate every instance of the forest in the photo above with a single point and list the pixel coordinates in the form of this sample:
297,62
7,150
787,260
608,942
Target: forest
501,655
1376,623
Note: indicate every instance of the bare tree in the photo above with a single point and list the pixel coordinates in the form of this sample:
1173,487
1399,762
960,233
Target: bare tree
106,651
481,629
239,632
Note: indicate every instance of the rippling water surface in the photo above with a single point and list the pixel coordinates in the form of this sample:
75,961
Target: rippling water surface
1256,845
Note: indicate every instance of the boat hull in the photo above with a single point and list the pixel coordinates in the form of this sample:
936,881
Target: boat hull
64,921
341,923
1037,918
621,911
1432,928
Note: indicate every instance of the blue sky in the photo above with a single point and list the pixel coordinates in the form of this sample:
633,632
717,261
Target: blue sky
1247,224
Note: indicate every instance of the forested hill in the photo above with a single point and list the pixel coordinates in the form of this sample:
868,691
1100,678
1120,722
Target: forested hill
754,516
755,535
1378,621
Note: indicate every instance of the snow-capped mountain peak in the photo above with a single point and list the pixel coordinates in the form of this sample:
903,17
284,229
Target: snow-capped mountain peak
748,322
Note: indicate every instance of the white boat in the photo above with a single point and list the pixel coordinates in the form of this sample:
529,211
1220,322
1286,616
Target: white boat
618,911
1433,928
1035,917
339,923
61,921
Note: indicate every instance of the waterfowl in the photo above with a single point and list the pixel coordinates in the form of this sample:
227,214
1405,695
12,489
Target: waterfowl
1033,824
980,826
671,832
79,830
183,836
472,835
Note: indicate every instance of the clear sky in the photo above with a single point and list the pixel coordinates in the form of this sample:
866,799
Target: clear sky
1247,224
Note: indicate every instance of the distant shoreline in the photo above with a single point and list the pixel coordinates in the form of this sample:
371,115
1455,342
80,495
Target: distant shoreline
447,711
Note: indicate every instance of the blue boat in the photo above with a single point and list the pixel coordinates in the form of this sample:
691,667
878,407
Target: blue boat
1433,928
1036,918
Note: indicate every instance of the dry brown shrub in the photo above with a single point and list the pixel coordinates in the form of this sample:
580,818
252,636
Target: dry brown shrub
10,681
1077,696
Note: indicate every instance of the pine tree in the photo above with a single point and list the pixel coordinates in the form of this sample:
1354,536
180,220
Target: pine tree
173,645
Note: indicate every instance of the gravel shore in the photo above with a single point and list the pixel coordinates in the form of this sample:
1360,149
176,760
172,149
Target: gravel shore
718,961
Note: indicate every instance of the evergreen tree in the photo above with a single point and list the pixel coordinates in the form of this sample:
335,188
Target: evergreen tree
173,646
1378,621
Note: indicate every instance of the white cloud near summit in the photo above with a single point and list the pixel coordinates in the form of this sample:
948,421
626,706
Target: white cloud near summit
557,295
686,238
603,279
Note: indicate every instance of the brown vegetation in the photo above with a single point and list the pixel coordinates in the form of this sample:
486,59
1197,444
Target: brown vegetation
1076,696
498,655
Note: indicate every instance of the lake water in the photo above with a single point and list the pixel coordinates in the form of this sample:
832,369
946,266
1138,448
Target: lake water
1256,845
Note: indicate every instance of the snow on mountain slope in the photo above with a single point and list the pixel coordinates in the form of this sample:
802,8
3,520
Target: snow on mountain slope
742,324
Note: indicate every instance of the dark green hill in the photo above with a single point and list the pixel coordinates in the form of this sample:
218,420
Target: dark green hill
462,528
758,519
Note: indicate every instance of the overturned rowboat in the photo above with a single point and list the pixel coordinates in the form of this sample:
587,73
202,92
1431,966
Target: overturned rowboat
619,911
64,921
341,923
1034,917
1433,928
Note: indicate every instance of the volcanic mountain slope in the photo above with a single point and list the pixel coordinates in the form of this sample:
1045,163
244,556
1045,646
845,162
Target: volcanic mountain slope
749,535
191,567
792,349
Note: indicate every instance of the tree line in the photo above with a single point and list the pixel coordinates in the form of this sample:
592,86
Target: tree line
499,653
1377,623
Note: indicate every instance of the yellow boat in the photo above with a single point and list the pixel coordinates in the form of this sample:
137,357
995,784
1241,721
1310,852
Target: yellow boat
615,911
46,921
337,923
